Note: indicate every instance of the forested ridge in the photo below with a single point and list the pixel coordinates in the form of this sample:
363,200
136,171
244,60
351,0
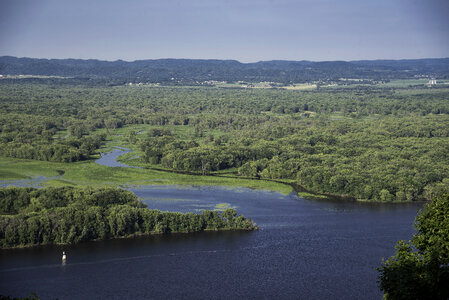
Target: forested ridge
191,71
381,144
69,215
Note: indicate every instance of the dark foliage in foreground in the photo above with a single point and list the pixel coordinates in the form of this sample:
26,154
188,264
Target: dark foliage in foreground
70,215
420,268
33,296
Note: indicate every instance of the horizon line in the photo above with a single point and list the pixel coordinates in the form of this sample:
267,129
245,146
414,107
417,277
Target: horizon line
218,59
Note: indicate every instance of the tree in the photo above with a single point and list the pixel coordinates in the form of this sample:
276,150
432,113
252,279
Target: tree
420,268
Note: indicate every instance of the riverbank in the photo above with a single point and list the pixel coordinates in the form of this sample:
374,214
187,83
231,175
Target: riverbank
24,172
130,159
116,165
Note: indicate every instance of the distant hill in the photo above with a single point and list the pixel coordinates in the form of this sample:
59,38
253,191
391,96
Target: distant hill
198,70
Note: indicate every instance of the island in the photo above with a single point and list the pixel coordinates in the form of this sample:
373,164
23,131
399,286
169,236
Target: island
69,215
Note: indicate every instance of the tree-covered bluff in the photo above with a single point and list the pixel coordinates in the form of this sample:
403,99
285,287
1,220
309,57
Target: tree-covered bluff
69,215
191,71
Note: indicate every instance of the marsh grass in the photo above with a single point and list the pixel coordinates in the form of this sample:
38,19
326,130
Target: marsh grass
90,173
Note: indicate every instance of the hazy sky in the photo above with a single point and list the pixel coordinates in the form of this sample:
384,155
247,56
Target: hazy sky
225,29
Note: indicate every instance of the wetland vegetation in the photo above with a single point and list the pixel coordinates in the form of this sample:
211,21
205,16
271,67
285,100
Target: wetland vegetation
372,143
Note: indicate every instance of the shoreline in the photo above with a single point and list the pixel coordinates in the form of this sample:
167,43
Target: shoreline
295,187
130,236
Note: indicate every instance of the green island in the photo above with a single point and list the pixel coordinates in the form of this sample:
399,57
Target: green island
69,215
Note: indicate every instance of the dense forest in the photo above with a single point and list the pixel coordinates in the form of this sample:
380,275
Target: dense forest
69,215
189,71
377,143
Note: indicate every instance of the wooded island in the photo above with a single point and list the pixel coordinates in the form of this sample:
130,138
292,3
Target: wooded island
69,215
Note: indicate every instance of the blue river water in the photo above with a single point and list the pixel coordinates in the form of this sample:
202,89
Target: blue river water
110,158
303,250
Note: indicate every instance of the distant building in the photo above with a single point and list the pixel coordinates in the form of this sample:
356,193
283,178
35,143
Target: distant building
432,81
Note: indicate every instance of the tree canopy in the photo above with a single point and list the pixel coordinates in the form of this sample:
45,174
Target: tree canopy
193,71
420,267
373,143
69,215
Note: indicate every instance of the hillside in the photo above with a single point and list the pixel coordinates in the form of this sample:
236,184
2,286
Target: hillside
190,71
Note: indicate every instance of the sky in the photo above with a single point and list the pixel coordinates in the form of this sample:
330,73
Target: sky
248,31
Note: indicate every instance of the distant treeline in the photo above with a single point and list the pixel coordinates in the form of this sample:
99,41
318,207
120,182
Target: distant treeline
69,215
190,71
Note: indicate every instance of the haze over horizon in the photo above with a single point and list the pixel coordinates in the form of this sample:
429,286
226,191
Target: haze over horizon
223,59
248,31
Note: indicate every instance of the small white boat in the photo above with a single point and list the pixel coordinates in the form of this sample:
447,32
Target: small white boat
64,257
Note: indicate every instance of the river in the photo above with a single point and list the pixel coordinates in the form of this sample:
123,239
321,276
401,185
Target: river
110,158
303,249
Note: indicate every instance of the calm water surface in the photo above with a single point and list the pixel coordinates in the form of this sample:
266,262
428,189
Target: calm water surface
304,249
110,158
35,182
